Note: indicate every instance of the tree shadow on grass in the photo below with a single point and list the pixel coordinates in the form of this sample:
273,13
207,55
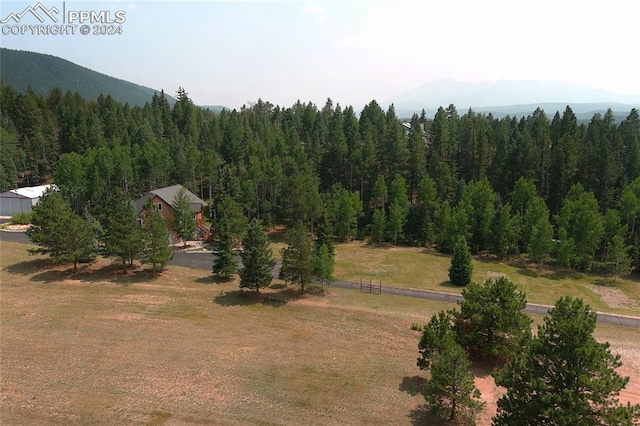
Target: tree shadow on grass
277,286
412,385
423,416
562,274
606,282
449,284
214,279
112,273
432,251
29,266
633,276
248,297
138,275
525,272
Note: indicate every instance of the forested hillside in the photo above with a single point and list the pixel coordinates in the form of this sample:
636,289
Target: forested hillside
21,70
543,185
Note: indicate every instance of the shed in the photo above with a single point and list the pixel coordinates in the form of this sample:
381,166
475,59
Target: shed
20,200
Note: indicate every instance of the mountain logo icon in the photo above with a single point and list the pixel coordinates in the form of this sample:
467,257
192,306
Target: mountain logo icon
38,11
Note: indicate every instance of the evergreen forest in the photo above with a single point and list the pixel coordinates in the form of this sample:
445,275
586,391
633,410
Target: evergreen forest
544,186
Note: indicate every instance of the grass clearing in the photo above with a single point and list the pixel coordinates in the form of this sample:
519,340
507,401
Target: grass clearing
97,347
413,267
184,348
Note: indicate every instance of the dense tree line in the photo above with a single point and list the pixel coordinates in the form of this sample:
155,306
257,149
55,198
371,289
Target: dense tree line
540,185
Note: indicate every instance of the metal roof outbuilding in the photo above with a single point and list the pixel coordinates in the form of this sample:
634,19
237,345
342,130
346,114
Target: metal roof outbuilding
20,200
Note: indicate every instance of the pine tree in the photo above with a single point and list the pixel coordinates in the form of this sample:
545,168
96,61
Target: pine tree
565,249
541,234
324,264
446,229
323,231
397,216
564,376
580,216
427,206
70,179
442,166
184,221
433,334
344,208
505,231
417,157
451,391
478,199
59,232
618,257
257,259
461,267
157,250
224,263
9,160
378,225
298,258
235,220
380,196
613,226
123,234
398,206
491,322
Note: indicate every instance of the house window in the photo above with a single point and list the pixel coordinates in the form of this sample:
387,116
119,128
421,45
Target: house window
159,206
140,221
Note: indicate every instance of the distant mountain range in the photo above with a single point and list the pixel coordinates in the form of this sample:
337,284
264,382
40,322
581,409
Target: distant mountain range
511,97
214,108
19,69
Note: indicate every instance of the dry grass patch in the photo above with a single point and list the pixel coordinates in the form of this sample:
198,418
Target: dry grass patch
179,350
187,349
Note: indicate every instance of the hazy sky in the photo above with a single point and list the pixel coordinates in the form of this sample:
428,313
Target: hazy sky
233,52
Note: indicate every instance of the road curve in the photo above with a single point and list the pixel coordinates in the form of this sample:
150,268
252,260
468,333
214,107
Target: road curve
204,261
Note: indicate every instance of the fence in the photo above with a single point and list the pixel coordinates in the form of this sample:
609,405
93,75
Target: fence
371,287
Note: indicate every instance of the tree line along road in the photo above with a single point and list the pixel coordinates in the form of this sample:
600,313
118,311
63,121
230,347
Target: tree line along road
204,261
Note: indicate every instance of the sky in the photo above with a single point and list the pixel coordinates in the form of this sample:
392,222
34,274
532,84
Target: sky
232,53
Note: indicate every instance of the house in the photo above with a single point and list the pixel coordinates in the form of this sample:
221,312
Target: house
163,199
20,200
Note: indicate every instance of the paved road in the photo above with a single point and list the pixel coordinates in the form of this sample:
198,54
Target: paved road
204,261
16,237
532,308
193,260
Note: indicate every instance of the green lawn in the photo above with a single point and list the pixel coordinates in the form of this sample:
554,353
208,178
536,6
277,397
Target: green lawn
419,268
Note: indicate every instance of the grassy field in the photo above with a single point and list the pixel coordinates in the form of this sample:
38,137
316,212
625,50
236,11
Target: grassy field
101,348
414,267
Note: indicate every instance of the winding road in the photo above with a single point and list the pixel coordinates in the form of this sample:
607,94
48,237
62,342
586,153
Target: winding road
204,261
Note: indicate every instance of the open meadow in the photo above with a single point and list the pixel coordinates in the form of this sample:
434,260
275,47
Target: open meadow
414,267
102,348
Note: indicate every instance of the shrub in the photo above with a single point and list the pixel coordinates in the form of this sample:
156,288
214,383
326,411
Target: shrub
22,218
